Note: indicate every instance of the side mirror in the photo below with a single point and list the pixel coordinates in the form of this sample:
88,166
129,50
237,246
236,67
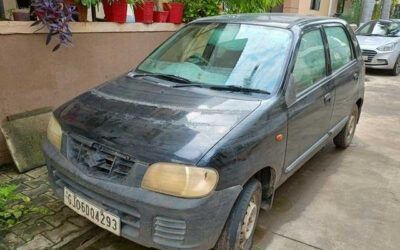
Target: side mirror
290,94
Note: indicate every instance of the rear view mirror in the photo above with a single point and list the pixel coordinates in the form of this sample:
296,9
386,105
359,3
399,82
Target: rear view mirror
290,94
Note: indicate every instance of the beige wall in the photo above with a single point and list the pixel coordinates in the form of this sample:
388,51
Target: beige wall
291,6
31,76
303,7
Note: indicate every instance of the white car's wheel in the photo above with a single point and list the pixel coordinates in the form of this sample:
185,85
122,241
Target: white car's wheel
396,69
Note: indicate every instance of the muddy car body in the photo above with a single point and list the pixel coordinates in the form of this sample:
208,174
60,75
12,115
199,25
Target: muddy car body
107,146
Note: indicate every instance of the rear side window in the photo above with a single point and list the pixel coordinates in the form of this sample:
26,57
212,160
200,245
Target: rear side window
310,66
339,47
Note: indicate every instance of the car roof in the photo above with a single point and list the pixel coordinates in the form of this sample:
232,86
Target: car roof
270,19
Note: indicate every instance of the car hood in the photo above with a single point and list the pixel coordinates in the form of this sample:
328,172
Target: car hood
152,122
374,41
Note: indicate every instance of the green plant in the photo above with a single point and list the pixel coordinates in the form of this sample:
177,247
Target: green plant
87,3
394,11
132,2
377,12
14,206
353,14
199,8
10,13
251,6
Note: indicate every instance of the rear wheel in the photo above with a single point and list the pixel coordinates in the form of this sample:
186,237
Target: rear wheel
396,69
344,138
241,224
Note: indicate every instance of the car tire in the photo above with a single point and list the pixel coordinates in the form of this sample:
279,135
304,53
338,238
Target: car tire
345,136
240,226
396,69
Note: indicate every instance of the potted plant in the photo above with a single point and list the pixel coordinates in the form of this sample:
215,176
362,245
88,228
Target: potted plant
160,15
55,15
81,7
144,11
116,10
175,11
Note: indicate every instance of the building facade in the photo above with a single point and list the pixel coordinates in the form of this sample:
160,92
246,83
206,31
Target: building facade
316,7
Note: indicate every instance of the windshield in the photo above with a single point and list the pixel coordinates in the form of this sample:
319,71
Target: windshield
380,28
242,55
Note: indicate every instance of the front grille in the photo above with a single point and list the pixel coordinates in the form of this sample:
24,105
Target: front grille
169,231
130,216
369,53
98,160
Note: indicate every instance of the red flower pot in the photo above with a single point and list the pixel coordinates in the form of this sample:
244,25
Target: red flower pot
160,16
144,12
175,12
116,11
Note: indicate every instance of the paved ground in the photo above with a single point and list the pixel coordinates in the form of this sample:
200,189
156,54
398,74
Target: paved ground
341,199
37,231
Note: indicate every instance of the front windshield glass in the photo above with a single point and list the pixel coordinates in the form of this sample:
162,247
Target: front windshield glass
380,28
248,56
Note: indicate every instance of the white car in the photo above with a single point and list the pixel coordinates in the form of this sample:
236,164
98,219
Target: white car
380,44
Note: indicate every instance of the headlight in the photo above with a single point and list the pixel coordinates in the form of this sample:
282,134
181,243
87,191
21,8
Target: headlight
387,47
180,180
54,132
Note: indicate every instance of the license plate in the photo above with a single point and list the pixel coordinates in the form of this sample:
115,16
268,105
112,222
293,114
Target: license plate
365,58
92,212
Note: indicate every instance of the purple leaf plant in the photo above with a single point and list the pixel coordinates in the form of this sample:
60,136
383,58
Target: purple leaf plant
55,15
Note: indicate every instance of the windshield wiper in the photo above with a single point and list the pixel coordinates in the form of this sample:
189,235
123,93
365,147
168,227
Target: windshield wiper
165,76
225,87
239,89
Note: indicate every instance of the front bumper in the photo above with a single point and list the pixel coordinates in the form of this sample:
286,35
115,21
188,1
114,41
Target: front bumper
148,218
380,60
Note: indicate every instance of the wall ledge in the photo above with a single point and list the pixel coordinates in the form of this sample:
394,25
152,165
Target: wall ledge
12,27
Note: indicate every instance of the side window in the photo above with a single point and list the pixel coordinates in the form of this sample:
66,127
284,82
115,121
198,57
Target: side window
310,66
339,47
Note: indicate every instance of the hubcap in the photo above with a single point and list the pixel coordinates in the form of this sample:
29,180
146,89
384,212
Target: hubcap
248,224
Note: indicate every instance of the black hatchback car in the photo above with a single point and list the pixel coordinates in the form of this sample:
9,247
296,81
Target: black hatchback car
183,151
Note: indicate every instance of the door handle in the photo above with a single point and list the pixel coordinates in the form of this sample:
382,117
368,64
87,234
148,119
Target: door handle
355,76
327,98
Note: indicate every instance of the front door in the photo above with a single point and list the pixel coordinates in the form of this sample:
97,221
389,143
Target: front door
309,116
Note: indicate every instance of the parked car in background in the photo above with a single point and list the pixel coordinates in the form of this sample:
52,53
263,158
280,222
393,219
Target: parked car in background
380,44
184,150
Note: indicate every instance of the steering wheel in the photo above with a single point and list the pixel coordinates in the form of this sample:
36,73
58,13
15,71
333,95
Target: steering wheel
197,59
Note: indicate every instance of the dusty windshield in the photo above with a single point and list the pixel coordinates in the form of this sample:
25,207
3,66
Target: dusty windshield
248,56
380,28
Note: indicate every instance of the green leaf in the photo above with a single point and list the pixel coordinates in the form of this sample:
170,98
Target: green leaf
17,214
26,199
10,222
6,215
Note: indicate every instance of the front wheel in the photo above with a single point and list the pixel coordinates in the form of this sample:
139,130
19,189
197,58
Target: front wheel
396,69
241,224
344,138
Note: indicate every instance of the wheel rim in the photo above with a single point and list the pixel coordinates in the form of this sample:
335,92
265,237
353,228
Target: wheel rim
398,65
351,126
248,223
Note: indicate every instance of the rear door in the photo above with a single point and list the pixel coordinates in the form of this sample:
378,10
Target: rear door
346,71
309,116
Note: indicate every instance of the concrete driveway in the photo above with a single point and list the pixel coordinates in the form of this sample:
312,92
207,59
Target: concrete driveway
341,199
